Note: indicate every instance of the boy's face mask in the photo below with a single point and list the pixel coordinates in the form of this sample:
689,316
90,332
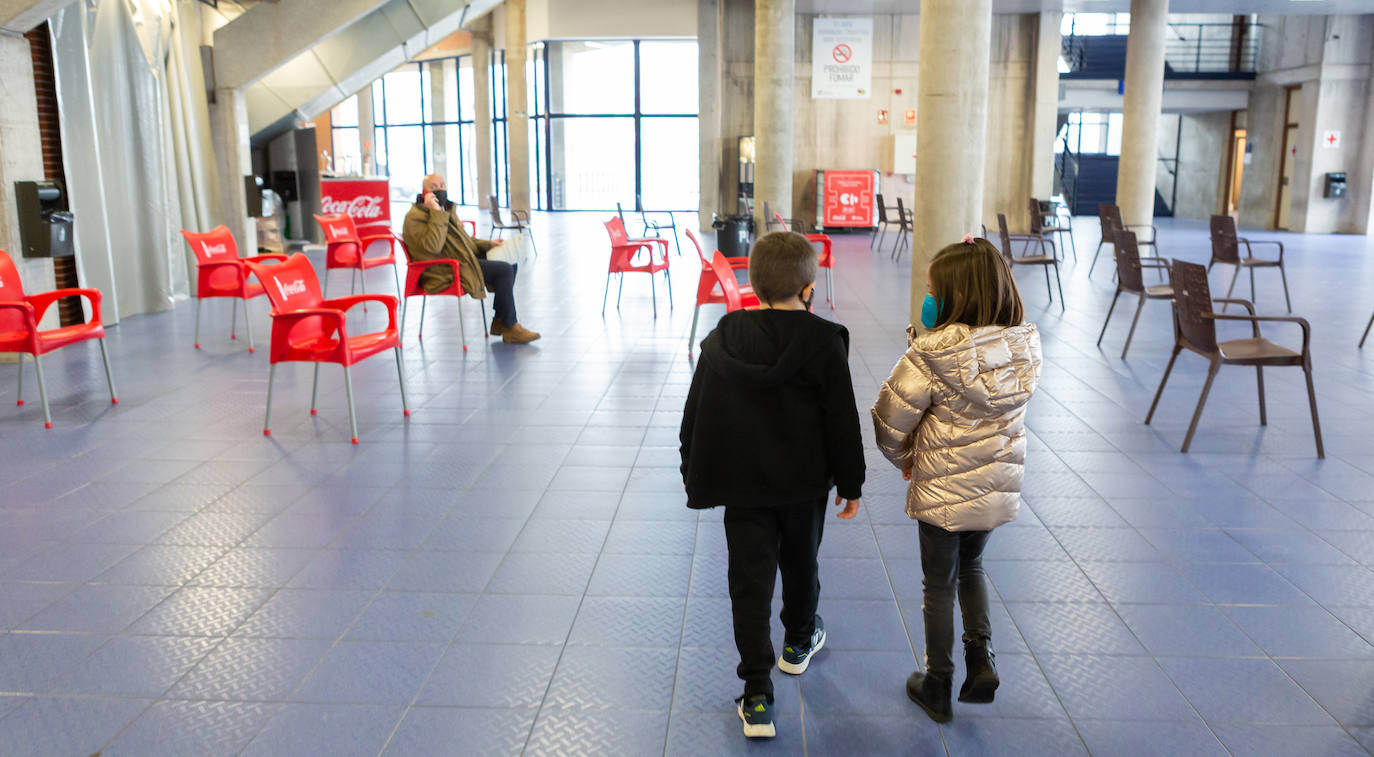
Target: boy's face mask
807,300
930,312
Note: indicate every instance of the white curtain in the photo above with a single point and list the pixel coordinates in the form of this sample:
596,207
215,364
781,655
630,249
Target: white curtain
135,136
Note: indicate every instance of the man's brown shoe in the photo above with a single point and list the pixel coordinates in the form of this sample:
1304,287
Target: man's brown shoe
518,334
497,327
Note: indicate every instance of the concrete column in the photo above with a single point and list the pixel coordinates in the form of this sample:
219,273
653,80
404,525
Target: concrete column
1045,111
774,62
951,130
517,117
438,135
1135,179
367,132
481,98
709,75
233,161
21,159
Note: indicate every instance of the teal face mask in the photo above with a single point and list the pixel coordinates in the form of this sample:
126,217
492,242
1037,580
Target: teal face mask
930,312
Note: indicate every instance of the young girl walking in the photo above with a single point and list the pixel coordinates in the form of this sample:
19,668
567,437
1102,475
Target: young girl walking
952,418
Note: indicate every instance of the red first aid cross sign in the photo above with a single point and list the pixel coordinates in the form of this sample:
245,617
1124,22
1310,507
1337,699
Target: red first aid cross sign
848,198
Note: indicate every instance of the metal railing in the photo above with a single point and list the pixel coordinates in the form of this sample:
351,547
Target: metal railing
1192,50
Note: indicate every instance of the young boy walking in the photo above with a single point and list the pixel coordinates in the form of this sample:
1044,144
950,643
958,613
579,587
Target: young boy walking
770,426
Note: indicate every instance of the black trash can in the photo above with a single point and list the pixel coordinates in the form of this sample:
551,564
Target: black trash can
733,235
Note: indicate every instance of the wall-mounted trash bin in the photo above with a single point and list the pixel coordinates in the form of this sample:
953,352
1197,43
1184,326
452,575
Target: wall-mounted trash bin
733,236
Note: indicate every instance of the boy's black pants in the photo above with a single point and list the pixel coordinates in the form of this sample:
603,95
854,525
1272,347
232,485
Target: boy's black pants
764,541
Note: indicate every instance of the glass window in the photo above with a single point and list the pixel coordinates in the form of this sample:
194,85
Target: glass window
669,164
498,84
468,133
405,160
668,77
347,154
593,162
536,137
595,77
345,113
404,98
444,156
466,98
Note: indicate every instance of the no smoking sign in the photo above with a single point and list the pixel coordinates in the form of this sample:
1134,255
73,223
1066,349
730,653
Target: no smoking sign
842,53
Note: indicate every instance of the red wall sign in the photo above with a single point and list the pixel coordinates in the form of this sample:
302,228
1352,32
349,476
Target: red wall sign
848,198
367,200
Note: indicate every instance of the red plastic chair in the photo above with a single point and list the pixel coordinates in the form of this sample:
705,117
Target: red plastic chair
308,328
416,268
220,273
709,288
623,252
19,317
346,248
729,285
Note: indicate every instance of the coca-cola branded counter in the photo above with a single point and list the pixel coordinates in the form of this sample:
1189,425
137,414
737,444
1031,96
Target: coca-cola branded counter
366,199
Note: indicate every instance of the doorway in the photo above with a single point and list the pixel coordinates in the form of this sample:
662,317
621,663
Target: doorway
1290,155
1235,169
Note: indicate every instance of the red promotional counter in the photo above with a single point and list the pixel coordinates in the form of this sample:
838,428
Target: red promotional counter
366,199
846,199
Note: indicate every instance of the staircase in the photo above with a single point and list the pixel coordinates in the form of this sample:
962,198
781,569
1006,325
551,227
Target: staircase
1091,179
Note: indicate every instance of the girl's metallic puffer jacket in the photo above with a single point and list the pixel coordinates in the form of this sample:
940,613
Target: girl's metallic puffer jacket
954,410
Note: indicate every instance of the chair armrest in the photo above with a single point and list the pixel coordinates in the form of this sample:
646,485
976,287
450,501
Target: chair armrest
1256,319
520,215
365,238
345,303
470,225
423,264
335,315
43,300
649,241
266,257
1249,306
1154,232
1250,253
26,312
738,262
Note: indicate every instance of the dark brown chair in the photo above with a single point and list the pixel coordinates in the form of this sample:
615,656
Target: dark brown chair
1040,228
1109,216
1195,329
1042,260
1226,250
880,230
1366,331
520,221
1130,280
903,230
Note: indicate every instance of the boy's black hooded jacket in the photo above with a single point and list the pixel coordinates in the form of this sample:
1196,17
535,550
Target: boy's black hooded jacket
770,419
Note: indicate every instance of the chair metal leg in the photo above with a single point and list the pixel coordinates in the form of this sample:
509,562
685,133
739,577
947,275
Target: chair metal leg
1060,284
1110,310
396,274
829,287
352,418
1286,299
1131,334
692,336
1072,245
109,375
1252,285
483,305
424,301
362,285
668,278
1259,377
353,282
1201,402
1312,400
42,391
401,374
199,300
1230,288
315,389
653,292
234,319
620,289
1096,252
20,397
1160,391
324,283
1048,292
606,292
1366,330
267,419
462,328
248,324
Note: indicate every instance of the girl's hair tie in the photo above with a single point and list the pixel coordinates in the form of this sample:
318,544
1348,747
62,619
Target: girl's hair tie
968,239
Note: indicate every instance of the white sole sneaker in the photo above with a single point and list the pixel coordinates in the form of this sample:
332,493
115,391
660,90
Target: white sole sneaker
755,731
798,668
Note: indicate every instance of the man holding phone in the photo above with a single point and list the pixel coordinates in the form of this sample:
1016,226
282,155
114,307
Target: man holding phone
431,231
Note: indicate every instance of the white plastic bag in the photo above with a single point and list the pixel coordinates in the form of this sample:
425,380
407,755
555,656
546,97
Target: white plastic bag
513,250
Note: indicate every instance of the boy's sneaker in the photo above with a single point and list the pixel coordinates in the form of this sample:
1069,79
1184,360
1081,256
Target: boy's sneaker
794,660
757,714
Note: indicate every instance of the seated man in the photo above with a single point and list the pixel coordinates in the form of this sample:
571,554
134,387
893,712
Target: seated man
432,231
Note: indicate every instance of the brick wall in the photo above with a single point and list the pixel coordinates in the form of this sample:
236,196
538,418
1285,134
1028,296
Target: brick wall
50,131
48,123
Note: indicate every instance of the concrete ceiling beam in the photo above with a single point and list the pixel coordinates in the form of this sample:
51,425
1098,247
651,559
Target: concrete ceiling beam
20,16
270,34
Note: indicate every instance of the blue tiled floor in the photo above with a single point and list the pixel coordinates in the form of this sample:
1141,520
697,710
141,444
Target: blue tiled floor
511,569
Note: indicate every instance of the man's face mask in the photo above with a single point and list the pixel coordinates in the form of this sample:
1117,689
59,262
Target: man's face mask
442,196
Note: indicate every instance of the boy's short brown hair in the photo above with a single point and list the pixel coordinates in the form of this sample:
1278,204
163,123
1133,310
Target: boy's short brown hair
781,264
974,286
